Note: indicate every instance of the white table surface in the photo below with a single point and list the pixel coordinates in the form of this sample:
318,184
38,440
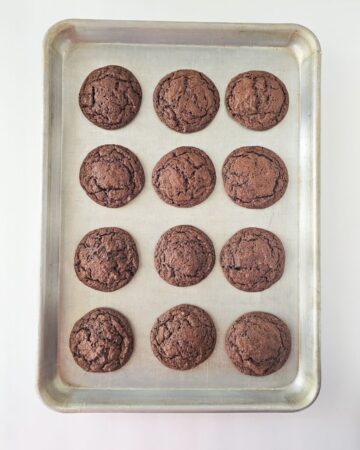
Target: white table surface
332,422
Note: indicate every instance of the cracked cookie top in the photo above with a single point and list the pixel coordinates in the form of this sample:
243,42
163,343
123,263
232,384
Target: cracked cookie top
101,341
258,343
106,259
186,100
183,337
112,175
253,259
184,177
110,97
257,100
184,255
254,177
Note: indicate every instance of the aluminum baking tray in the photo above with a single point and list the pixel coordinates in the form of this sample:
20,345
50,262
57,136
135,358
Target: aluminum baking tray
150,50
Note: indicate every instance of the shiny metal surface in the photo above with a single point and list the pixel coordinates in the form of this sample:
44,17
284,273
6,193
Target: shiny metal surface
151,49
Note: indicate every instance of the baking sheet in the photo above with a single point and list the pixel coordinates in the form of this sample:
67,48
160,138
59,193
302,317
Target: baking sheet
151,50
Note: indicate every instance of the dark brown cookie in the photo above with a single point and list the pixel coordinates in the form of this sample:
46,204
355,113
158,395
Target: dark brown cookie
106,259
258,343
253,259
101,341
110,97
184,255
257,100
184,177
183,337
254,177
112,175
186,100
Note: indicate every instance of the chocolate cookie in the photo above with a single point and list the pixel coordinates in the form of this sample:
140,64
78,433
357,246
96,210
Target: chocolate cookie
257,100
258,343
184,177
183,337
184,255
112,175
110,97
101,341
253,259
186,100
106,259
254,177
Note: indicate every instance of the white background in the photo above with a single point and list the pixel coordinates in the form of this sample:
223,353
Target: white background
332,422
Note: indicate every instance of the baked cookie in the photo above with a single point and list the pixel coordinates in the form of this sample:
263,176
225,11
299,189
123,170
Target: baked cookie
253,259
110,97
258,343
183,337
254,177
106,259
101,341
257,100
184,177
112,175
184,255
186,100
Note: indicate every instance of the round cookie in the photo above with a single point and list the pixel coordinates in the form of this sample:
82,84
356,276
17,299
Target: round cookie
258,343
253,259
257,100
254,177
183,337
101,341
106,259
184,177
186,100
112,175
110,97
184,255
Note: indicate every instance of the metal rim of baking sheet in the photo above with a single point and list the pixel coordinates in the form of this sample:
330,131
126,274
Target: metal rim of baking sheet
303,390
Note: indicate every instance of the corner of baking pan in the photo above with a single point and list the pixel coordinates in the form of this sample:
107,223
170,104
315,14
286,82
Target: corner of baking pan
58,37
304,43
308,35
51,396
304,392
